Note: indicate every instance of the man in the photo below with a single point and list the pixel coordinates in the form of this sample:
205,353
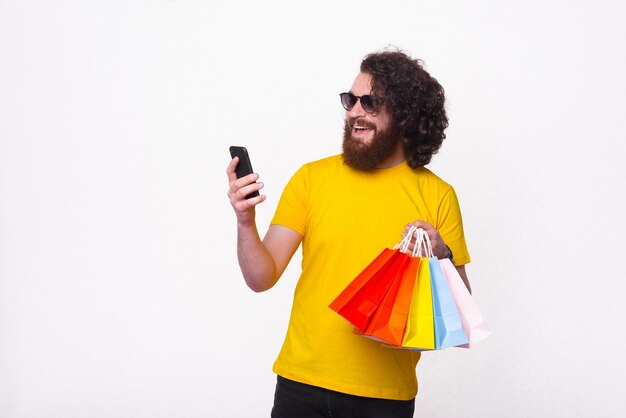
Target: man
344,210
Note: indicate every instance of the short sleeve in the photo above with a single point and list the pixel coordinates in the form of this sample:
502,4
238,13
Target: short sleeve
292,206
450,226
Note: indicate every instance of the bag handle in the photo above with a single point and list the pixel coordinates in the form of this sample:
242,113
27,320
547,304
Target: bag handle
427,246
403,245
419,242
422,247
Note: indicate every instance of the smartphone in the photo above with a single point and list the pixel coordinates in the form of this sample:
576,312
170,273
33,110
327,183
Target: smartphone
244,167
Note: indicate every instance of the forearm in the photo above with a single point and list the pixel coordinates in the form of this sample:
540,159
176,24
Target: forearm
256,262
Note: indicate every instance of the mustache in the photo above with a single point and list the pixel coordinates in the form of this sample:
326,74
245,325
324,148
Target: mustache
361,122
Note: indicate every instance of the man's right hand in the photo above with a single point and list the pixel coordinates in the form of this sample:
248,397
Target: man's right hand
239,189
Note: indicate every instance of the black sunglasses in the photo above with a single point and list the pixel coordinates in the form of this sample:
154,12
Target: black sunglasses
369,103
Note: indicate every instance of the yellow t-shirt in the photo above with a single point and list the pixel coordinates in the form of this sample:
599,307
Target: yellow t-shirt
347,217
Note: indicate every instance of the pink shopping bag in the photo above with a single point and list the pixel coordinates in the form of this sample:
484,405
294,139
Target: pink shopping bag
471,318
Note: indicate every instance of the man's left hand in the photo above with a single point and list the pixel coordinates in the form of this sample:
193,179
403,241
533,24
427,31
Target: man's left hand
440,249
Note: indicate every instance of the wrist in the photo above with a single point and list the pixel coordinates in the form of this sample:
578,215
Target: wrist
246,219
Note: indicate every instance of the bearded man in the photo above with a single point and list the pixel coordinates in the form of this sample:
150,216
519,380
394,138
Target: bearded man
344,210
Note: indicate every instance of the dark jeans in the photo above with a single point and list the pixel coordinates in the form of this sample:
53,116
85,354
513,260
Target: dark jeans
298,400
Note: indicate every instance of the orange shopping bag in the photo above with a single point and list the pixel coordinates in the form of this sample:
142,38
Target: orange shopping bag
389,322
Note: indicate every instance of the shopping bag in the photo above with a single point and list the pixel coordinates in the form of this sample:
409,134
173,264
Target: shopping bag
388,323
420,329
448,328
368,272
377,282
471,318
364,303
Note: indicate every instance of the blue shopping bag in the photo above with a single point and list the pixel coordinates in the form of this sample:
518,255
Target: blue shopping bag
448,327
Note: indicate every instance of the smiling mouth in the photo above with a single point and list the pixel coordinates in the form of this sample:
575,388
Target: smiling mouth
360,128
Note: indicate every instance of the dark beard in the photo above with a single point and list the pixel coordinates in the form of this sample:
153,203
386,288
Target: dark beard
367,157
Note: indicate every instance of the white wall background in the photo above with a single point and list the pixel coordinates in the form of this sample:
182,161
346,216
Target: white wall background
120,294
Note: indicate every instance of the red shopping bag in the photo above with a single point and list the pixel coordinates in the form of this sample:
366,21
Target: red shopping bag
365,302
389,321
374,267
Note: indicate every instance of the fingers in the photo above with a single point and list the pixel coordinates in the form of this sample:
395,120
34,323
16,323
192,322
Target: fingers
230,170
243,205
235,184
438,245
245,186
428,228
420,224
242,187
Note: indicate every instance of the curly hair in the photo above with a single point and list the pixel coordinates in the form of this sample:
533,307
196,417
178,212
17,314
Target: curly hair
413,98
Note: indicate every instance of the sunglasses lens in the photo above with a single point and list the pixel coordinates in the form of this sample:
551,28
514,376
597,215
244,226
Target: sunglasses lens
348,100
368,103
